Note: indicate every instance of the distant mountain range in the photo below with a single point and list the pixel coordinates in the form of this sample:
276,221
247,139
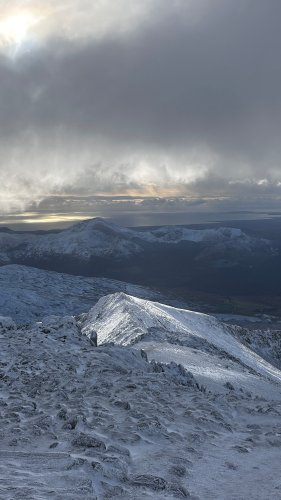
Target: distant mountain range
222,260
99,238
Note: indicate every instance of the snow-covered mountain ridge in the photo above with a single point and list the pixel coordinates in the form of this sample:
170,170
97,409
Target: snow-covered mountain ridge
170,334
99,238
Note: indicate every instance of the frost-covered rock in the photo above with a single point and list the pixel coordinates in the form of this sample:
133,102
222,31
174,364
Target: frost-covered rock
62,325
6,323
176,372
83,440
148,481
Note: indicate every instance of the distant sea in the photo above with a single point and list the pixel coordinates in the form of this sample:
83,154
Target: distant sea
43,221
187,218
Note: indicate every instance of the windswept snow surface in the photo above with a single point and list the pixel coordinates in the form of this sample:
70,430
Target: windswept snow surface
79,422
100,238
85,422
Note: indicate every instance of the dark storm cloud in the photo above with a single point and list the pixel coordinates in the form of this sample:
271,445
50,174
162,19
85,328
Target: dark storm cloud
188,98
171,81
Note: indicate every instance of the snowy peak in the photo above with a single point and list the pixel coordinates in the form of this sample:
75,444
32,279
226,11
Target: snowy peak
98,224
126,320
120,318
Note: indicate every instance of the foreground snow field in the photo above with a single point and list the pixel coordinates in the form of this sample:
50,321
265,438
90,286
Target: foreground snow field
79,421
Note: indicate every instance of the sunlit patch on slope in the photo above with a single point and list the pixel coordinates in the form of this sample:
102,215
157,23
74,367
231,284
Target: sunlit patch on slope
197,341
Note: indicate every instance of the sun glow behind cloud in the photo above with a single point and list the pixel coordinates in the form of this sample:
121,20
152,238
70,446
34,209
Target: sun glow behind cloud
17,28
30,20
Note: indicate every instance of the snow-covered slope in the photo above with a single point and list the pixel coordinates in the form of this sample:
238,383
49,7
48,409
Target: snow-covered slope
99,238
198,341
80,423
28,294
84,422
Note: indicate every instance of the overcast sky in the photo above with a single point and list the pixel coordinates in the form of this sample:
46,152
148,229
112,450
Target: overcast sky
140,98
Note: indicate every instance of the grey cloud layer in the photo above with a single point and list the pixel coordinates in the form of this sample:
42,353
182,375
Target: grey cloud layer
188,97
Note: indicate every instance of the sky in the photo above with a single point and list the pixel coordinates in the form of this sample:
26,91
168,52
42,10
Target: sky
139,106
